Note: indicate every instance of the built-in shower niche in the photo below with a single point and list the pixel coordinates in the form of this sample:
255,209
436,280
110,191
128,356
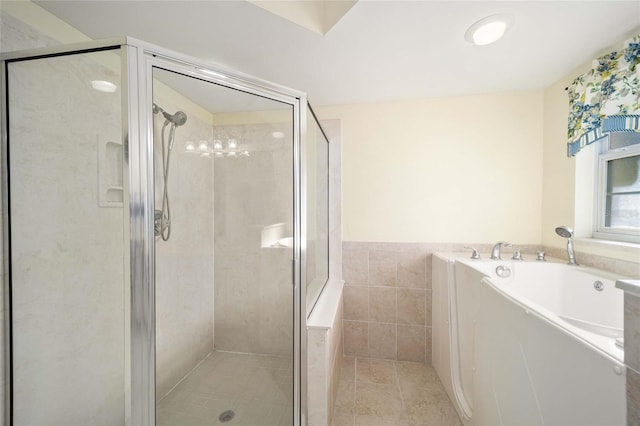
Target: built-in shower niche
110,185
278,235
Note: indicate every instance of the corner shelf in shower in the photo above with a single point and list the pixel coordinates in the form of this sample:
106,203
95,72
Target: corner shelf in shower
273,236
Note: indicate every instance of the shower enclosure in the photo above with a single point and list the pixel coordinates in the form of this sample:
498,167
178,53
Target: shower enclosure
157,214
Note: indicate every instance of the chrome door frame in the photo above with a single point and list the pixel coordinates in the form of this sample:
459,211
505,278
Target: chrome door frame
150,56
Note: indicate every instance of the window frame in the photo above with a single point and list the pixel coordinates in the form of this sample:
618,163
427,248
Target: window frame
603,156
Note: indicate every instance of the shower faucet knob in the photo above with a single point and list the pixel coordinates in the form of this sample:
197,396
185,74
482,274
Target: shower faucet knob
517,254
474,253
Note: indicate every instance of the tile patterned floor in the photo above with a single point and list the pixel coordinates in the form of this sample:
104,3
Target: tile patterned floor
257,388
391,393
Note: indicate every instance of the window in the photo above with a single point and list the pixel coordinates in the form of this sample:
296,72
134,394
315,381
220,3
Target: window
617,210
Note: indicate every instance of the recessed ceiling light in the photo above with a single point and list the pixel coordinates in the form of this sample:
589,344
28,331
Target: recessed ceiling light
104,86
488,30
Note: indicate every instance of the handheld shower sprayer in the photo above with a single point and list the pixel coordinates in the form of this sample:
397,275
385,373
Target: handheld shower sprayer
162,218
566,232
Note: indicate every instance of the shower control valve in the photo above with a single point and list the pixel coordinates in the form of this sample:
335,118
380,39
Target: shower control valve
157,223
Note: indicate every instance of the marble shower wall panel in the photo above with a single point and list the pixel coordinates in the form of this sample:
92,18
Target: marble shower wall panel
253,291
184,263
14,35
68,284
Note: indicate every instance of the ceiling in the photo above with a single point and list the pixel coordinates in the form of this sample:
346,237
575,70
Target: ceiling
379,50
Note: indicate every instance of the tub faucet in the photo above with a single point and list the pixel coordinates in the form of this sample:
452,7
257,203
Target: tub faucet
495,251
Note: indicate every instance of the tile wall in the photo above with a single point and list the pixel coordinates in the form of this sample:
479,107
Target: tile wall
617,266
387,300
387,294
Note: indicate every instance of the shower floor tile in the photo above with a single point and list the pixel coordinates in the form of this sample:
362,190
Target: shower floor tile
257,388
377,392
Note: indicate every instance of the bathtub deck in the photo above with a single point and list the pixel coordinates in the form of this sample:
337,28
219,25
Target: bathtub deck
256,387
391,393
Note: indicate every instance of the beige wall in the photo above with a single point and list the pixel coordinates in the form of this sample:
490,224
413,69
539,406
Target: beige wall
558,201
442,170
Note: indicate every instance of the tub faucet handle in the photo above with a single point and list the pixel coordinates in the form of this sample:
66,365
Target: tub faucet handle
541,256
517,254
474,254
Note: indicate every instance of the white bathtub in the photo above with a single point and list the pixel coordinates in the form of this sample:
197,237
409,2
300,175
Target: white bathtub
535,347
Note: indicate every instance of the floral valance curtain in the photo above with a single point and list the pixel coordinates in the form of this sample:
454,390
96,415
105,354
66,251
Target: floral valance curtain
605,99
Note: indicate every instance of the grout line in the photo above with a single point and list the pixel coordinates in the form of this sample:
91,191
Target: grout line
368,322
368,266
368,304
404,406
212,353
355,389
396,325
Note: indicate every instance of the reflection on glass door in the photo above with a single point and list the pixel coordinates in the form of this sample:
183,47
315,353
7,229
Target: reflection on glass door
224,217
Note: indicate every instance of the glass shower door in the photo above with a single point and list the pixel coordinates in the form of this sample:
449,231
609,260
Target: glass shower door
224,289
68,289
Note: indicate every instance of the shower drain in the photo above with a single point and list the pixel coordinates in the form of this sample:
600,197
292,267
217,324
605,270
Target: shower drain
226,416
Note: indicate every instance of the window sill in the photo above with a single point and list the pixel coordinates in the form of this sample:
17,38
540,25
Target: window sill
609,248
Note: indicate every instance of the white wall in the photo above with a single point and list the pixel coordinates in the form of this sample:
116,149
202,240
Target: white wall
456,169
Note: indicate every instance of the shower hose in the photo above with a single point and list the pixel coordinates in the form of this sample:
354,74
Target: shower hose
165,219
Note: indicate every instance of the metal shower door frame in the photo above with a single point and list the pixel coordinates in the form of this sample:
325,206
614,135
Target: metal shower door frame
137,61
141,59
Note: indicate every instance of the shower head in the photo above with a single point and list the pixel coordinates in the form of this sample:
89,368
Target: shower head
564,231
178,119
